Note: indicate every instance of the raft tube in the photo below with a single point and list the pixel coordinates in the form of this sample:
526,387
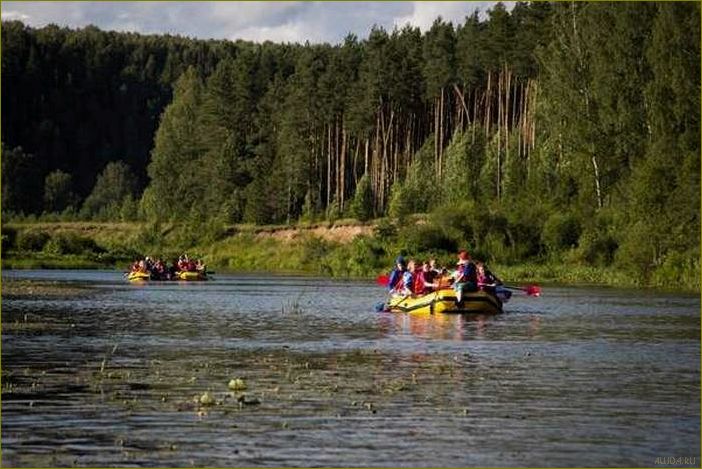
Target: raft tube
138,276
190,276
444,301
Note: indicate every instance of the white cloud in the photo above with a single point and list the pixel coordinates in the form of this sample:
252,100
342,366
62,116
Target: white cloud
14,15
424,13
277,21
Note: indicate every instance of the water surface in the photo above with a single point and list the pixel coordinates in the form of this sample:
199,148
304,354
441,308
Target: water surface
110,375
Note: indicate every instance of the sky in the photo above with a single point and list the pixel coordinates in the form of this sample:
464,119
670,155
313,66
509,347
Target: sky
285,21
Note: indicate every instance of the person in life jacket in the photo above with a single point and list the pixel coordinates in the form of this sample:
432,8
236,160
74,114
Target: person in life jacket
487,281
466,276
397,273
424,280
491,283
406,286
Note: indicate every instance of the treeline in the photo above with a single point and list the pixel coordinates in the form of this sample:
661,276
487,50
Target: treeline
548,129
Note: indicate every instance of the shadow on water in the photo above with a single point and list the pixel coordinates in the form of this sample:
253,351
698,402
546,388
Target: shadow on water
285,371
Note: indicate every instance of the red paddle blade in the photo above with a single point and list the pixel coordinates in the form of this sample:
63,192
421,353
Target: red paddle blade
382,280
533,290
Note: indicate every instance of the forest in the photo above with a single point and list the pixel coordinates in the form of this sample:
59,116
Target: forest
564,130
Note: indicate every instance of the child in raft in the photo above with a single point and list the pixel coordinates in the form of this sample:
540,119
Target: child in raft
466,276
424,279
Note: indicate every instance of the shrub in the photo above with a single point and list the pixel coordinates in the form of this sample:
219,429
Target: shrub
362,202
430,238
561,231
31,240
70,243
9,238
314,250
385,230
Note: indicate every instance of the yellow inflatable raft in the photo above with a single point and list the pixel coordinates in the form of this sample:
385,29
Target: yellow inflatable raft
190,276
138,276
444,301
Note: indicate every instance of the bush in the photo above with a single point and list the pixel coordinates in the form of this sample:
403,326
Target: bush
597,248
636,254
399,207
362,202
679,270
31,240
560,232
364,256
430,238
460,218
385,230
314,250
70,243
9,238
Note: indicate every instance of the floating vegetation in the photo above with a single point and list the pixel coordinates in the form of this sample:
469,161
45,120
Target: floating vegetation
206,399
237,384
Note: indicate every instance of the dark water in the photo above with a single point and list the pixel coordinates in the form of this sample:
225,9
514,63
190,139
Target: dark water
109,377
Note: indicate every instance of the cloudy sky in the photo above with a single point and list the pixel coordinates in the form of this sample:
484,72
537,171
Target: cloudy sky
255,21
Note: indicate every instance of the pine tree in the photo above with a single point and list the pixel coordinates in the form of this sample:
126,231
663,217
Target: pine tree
175,160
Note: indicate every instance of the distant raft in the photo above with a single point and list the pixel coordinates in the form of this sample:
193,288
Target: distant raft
190,276
138,276
445,301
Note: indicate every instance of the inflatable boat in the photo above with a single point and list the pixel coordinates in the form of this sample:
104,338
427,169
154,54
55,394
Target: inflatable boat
445,301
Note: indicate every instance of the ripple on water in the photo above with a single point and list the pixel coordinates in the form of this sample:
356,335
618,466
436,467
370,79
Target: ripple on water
580,376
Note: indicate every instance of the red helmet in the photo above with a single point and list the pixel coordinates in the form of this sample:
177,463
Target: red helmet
463,255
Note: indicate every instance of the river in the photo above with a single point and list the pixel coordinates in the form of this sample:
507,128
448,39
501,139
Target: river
113,374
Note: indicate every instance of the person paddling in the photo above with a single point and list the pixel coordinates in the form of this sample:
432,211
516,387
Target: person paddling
397,273
466,278
424,280
487,281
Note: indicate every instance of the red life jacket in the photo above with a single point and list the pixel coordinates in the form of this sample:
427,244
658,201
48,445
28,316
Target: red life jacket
419,281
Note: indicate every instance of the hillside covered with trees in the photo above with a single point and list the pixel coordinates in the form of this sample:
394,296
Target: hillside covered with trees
551,130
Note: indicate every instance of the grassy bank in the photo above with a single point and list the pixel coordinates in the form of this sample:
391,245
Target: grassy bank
345,249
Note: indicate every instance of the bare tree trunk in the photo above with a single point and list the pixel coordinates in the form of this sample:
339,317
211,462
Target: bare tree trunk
329,164
365,164
342,169
436,135
488,94
441,134
475,115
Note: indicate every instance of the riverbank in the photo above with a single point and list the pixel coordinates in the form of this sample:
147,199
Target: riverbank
345,249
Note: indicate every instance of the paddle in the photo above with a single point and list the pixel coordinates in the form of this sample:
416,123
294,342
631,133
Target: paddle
530,290
382,280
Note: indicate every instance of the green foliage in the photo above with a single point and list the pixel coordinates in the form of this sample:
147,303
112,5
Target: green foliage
175,168
314,250
462,169
31,240
333,211
362,203
400,205
70,243
585,109
420,187
115,184
9,238
21,176
560,231
258,202
638,252
58,191
426,238
385,230
309,208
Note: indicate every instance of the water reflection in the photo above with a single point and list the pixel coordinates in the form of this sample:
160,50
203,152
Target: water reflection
451,327
581,377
